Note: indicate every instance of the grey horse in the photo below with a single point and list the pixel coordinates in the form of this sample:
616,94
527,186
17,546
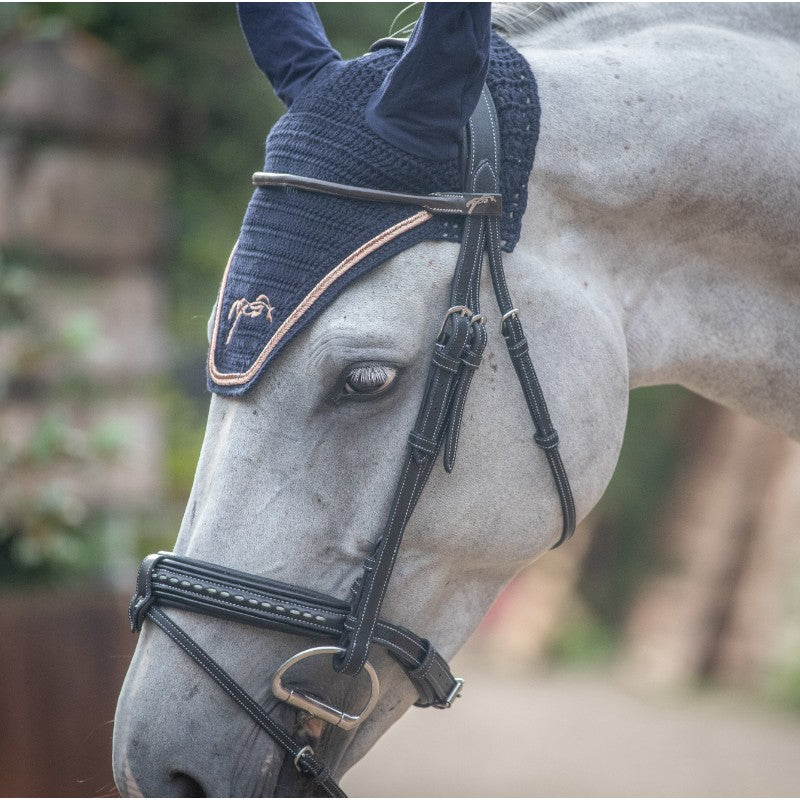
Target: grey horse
660,246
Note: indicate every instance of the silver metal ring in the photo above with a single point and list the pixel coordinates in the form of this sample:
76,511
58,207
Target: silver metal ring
513,313
330,714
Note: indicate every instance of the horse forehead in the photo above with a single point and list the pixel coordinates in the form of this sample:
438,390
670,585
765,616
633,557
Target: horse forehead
392,306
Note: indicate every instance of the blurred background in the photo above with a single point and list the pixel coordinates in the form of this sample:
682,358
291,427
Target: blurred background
659,650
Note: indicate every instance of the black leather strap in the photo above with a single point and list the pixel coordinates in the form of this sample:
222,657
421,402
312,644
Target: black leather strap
457,354
302,754
466,204
545,435
187,583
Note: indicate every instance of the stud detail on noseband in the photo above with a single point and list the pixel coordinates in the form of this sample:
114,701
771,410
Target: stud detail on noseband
331,715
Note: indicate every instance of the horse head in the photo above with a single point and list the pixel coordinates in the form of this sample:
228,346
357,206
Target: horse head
319,360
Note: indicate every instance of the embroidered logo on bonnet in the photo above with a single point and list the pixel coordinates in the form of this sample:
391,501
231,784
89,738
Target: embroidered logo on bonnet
243,307
299,250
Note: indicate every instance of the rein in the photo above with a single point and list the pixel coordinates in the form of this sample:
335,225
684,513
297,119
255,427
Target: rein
176,581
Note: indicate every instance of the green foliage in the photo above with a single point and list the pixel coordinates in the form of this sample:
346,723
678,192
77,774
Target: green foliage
583,640
783,686
217,110
353,27
15,286
46,529
624,548
185,436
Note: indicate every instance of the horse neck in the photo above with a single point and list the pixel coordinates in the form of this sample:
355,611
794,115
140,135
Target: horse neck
661,193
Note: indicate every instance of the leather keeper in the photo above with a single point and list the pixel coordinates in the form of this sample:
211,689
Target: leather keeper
423,668
518,348
423,443
144,596
547,441
444,362
471,360
350,623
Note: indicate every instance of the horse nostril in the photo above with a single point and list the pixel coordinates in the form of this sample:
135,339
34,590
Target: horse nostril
183,785
309,729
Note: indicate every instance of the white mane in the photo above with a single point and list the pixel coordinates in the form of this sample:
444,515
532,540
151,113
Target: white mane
517,19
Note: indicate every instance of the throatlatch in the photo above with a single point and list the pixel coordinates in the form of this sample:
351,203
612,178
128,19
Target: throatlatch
169,580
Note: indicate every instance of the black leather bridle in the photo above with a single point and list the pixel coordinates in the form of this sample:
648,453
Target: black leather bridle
351,627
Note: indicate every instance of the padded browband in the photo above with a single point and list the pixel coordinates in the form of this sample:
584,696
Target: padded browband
465,203
199,586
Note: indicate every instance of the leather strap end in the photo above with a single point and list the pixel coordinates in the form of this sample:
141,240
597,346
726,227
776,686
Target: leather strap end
143,597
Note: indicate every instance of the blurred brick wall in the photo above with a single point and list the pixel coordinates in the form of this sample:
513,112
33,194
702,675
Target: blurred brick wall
82,200
65,653
82,195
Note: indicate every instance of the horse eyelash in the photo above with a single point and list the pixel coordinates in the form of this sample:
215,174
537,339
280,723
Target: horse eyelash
368,375
372,379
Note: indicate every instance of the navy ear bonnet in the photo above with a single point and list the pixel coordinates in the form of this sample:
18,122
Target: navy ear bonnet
298,250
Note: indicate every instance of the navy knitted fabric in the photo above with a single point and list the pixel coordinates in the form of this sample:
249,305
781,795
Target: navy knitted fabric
291,239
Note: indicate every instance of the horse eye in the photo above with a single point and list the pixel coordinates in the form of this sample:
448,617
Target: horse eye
365,381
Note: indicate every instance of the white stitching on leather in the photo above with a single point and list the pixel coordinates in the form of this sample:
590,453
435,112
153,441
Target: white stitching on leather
494,130
235,589
394,550
233,690
371,587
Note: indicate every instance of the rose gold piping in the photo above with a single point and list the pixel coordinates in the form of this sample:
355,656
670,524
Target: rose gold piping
238,378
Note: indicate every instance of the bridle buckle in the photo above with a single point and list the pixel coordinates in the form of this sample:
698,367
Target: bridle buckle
300,753
507,316
454,694
462,310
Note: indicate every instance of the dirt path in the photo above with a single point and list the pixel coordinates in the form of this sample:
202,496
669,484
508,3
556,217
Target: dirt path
568,734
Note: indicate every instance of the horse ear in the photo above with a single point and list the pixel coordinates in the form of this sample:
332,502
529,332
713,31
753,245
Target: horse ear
288,43
429,95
